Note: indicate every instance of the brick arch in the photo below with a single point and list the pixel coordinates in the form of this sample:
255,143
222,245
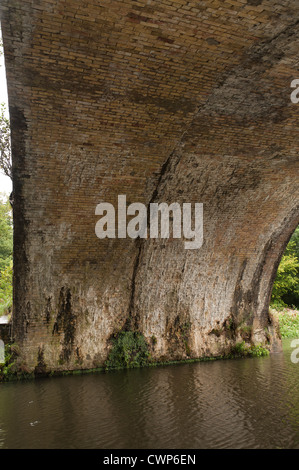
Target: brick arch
158,101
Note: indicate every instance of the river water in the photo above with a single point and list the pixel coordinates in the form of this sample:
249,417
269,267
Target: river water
241,403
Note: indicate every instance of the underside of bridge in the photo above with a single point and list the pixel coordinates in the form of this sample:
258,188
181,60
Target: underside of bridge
161,101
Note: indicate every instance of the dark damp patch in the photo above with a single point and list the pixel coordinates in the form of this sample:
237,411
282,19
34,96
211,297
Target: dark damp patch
244,303
20,261
48,311
171,105
178,337
254,2
65,323
212,41
41,368
164,39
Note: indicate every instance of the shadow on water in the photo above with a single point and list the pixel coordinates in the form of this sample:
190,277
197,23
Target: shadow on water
251,403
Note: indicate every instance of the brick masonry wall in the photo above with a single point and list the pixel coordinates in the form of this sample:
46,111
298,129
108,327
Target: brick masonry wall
162,101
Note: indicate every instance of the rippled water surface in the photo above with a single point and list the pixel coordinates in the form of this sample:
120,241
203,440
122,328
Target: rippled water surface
251,403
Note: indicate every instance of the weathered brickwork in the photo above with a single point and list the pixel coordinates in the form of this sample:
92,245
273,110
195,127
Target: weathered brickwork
169,101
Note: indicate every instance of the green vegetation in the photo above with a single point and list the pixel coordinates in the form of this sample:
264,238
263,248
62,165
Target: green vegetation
288,321
245,330
242,350
285,296
129,349
286,285
185,332
154,340
9,370
5,233
6,368
5,150
5,147
6,248
6,238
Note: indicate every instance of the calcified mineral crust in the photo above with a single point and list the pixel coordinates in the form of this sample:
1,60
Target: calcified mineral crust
161,101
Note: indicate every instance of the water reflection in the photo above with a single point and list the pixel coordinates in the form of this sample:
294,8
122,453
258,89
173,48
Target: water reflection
224,404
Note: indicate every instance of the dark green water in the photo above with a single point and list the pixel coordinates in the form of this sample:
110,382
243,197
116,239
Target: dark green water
251,403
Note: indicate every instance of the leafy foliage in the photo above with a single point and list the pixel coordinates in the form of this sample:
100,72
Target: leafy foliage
5,148
129,349
6,290
286,285
288,321
242,350
295,239
6,235
7,367
6,241
10,370
258,351
6,248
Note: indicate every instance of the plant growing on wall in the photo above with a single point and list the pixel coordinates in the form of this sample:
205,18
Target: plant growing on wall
129,349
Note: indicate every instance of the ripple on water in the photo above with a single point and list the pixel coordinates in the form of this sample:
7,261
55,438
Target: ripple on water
252,403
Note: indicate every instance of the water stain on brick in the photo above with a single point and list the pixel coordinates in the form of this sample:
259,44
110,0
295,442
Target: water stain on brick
183,105
48,311
254,2
65,323
165,39
212,41
41,367
178,333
